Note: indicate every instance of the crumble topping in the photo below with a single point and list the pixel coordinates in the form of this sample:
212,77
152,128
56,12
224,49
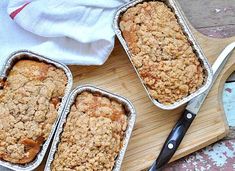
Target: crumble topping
161,52
28,108
92,135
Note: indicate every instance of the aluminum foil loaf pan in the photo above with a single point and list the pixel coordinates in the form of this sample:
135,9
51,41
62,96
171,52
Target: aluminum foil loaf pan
183,23
131,117
24,54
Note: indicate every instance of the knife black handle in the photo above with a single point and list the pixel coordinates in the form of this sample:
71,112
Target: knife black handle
173,141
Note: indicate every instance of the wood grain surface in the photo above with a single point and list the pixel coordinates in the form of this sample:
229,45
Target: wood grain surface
153,124
213,18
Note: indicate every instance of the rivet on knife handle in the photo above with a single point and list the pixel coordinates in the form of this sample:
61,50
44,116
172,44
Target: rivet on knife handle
173,140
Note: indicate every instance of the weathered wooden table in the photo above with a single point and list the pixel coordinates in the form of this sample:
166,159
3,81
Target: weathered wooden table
215,19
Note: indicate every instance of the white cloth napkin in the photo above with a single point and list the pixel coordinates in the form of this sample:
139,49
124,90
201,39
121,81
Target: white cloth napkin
69,31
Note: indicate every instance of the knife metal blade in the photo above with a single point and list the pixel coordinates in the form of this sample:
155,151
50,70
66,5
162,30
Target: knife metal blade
195,104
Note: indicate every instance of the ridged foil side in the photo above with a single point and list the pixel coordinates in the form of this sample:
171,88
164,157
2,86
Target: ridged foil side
130,111
25,54
183,22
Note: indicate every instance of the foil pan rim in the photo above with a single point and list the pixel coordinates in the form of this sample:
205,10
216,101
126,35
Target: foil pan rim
194,44
17,55
72,97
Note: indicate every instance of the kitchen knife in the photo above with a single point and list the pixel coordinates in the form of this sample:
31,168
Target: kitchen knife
178,132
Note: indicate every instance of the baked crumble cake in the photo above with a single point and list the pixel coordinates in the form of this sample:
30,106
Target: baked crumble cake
92,135
29,100
161,52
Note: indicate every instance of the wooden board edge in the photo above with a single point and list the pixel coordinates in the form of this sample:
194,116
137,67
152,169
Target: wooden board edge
226,74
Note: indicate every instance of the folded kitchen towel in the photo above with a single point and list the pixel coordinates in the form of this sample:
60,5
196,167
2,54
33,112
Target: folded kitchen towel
72,32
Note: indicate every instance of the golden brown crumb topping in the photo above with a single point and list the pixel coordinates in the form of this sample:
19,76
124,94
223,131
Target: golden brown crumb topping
92,135
28,108
161,52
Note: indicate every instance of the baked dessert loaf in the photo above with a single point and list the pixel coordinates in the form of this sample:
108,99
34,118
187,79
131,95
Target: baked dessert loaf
161,52
29,100
92,135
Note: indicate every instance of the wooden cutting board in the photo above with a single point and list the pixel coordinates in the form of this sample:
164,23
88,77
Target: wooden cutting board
153,124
